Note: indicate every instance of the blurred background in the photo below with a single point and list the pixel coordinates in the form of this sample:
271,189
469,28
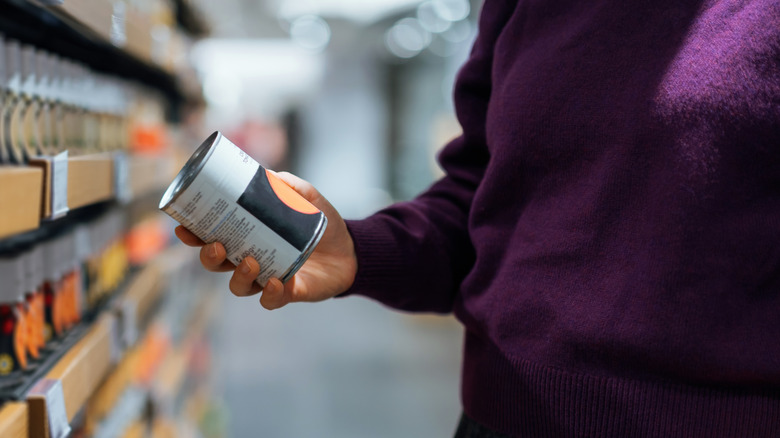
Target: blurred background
111,319
355,97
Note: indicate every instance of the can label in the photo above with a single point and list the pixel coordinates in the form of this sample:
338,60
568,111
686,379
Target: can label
235,201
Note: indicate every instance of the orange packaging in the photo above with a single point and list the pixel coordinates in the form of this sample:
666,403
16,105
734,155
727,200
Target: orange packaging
54,260
28,312
13,330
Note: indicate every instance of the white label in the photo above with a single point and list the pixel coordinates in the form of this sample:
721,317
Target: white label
116,341
208,208
118,32
51,390
129,323
121,178
215,218
59,185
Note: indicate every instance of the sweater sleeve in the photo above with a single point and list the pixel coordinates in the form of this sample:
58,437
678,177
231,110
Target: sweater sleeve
414,255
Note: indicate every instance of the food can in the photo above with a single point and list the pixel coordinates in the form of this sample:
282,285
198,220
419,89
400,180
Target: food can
223,195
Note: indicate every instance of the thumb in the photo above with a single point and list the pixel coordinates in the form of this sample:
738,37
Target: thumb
303,187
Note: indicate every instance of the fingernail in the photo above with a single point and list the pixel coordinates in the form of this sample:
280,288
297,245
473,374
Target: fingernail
245,267
213,251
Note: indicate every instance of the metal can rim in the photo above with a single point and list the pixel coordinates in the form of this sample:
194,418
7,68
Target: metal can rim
315,239
190,171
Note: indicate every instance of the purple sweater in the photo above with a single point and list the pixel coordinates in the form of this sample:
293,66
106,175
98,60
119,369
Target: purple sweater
608,229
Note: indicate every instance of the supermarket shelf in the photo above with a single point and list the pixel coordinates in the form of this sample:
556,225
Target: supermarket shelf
154,367
83,368
160,429
20,199
79,372
13,420
149,174
90,180
82,360
82,39
172,372
105,398
17,388
142,295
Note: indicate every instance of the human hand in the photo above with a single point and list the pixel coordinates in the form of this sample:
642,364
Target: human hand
329,270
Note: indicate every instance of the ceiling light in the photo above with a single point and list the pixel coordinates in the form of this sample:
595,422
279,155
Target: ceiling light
310,32
430,19
452,10
407,38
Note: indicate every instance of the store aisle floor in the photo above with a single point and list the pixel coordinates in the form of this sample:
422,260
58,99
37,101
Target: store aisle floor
346,368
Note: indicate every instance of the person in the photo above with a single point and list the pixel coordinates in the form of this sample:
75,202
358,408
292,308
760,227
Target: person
608,229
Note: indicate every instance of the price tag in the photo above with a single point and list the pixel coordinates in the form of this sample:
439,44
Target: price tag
59,185
56,171
116,341
118,30
129,323
51,391
122,178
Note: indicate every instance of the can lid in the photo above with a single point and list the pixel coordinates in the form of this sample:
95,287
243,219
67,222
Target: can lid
2,62
51,259
55,77
11,273
28,71
39,267
42,68
97,236
70,255
65,259
190,170
12,60
81,244
26,270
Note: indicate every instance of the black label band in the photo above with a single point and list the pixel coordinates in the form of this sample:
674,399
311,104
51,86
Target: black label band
261,201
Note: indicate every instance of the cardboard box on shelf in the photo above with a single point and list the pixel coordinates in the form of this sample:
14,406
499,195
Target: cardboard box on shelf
79,373
13,420
21,191
90,179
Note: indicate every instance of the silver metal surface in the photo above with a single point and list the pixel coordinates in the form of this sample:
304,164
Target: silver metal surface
190,170
308,250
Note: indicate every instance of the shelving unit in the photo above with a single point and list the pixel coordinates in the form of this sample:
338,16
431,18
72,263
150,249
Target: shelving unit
13,420
79,372
21,209
121,348
73,36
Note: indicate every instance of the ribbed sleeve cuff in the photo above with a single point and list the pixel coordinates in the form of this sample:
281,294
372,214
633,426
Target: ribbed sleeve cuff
380,260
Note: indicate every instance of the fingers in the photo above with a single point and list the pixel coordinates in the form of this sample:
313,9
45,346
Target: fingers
276,294
242,283
213,258
187,237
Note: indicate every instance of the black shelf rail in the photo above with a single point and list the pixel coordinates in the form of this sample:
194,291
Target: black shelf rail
11,245
14,387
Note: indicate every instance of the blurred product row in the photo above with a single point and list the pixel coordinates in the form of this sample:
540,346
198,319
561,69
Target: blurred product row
70,137
48,285
52,105
114,315
104,327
